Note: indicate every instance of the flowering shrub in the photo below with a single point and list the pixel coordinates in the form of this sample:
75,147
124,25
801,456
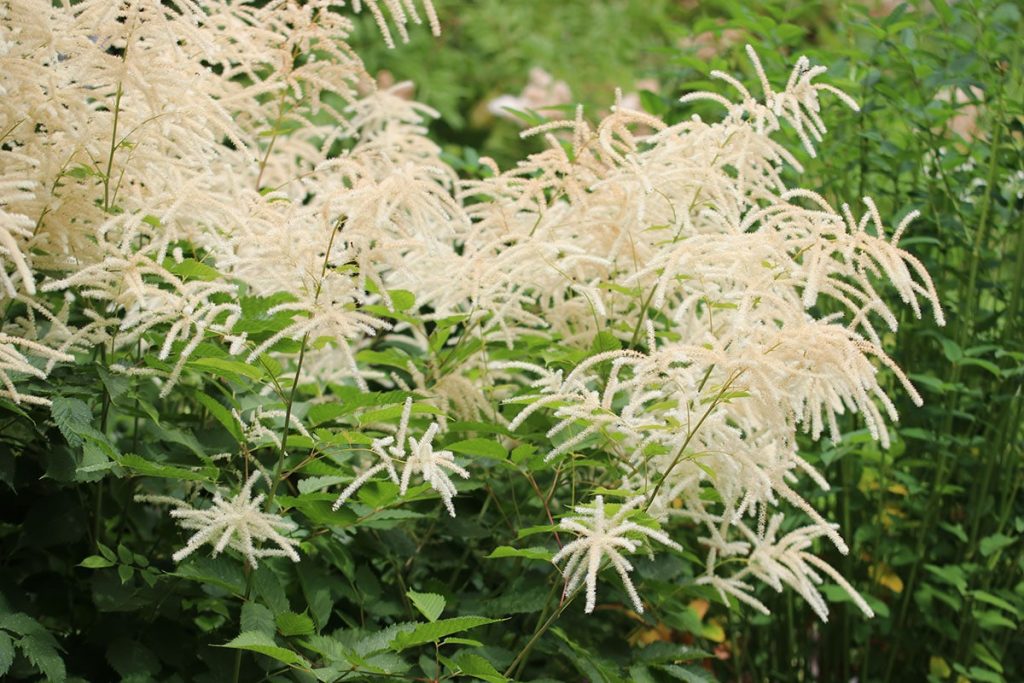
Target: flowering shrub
240,281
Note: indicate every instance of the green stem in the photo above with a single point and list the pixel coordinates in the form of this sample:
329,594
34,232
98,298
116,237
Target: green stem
113,148
520,659
282,452
689,437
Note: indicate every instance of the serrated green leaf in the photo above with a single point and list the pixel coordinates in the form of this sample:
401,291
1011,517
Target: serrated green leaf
534,553
41,650
190,269
485,447
229,368
257,618
21,624
324,412
476,666
6,653
392,413
219,571
316,589
462,641
428,633
292,624
254,641
222,415
140,465
430,605
268,586
72,417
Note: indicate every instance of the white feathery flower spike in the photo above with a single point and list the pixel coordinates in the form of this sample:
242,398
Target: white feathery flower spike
432,465
238,523
600,536
423,459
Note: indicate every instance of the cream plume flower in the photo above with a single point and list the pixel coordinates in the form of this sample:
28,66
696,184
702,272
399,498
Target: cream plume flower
422,458
238,523
600,537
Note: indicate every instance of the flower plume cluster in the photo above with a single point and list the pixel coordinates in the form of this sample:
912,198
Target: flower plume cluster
421,458
164,164
599,537
238,523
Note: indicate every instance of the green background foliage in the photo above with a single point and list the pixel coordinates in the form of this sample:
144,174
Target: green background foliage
387,591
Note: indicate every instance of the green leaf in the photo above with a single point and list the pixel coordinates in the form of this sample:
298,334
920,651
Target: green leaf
222,415
116,385
662,653
190,269
257,618
140,465
392,413
269,587
991,544
984,364
430,605
537,529
219,571
951,350
690,674
434,631
951,574
640,674
133,660
317,506
254,641
324,412
485,447
990,618
401,299
462,641
534,553
942,9
984,675
476,666
72,417
6,653
316,588
995,601
41,650
95,461
232,369
292,624
957,530
95,562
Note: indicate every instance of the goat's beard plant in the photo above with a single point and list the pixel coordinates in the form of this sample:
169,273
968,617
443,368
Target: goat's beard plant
215,189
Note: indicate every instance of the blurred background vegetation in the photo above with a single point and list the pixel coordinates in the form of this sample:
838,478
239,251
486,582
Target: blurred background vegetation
935,522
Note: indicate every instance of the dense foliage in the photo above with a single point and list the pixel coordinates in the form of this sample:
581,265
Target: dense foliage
288,386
